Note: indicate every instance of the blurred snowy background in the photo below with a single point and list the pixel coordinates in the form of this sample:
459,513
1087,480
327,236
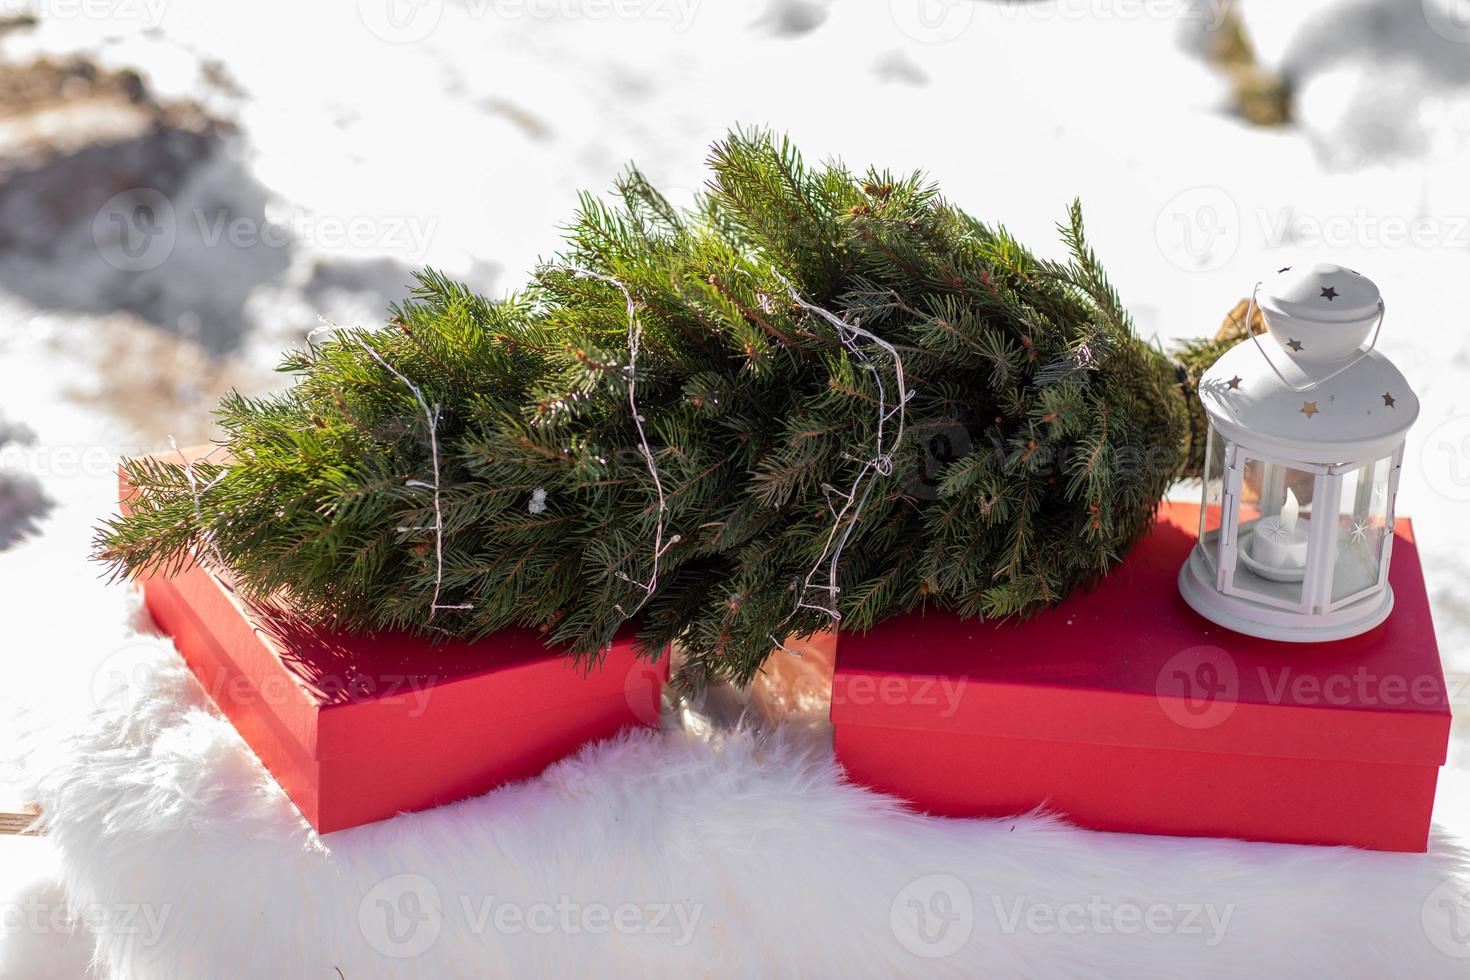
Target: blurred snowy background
185,187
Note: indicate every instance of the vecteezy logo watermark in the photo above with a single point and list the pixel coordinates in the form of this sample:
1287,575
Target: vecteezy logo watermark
643,687
1198,230
139,229
1100,917
937,21
1360,688
1292,228
933,916
138,924
144,14
1450,19
135,230
1445,917
939,444
403,234
932,21
675,921
407,21
126,676
1198,687
401,916
1210,14
414,691
401,21
62,461
1446,459
941,692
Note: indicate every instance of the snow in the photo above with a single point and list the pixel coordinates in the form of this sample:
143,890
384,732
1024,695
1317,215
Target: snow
377,137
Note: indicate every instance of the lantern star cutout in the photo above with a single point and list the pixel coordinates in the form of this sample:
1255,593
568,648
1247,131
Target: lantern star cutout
1274,531
1388,399
1309,409
1359,531
1328,293
1294,344
1233,383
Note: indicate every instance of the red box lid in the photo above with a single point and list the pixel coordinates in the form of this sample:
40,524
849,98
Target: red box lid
1129,663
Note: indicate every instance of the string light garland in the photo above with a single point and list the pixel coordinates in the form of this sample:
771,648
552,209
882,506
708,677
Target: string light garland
431,416
538,500
635,337
197,493
855,498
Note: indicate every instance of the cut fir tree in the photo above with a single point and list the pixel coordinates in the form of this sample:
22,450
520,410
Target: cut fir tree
817,395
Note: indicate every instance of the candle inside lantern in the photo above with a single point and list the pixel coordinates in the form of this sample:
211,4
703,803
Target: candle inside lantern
1281,541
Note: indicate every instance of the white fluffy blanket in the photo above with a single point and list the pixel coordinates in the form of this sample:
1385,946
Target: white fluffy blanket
692,851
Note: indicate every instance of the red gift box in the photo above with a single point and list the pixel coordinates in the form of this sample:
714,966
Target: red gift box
1124,710
359,728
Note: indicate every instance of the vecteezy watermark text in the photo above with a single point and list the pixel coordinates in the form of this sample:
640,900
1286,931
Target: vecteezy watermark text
408,21
1200,229
403,916
1201,686
1099,916
139,229
144,14
939,21
129,675
935,915
141,923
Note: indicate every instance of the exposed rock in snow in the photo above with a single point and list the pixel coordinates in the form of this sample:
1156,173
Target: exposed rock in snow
793,18
1374,80
895,66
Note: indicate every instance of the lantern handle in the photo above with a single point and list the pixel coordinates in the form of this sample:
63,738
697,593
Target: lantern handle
1372,343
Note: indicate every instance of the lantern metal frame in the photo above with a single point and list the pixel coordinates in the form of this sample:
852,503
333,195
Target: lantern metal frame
1326,321
1216,556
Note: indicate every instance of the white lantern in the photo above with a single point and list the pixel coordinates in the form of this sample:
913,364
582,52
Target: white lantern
1306,438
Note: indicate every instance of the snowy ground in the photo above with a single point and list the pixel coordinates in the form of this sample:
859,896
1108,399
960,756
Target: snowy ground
377,137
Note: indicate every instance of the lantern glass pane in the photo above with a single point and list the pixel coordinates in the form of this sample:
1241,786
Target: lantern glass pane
1274,531
1362,529
1213,497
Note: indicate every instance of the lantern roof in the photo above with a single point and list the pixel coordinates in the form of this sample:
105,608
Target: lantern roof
1323,291
1307,389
